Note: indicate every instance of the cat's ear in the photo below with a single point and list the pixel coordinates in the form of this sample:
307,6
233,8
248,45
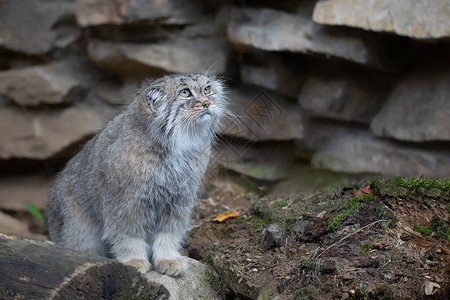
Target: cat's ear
151,97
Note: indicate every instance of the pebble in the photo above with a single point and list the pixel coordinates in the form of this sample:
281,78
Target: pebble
292,250
254,270
227,256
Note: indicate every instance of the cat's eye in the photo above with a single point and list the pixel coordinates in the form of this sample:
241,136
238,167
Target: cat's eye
185,93
207,90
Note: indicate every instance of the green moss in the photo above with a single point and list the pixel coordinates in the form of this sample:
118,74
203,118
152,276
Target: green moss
280,204
382,292
414,186
423,230
350,206
214,281
365,247
266,213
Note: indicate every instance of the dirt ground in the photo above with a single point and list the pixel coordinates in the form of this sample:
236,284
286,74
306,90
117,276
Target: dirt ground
383,239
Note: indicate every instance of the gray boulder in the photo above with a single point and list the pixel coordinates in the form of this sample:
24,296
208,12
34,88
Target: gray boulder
418,109
54,83
36,27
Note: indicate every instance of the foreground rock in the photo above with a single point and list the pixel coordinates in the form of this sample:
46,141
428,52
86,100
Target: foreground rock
36,27
55,83
42,135
418,108
197,283
34,270
272,30
426,19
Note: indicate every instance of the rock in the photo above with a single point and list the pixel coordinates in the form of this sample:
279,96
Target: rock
36,27
177,56
54,83
426,19
11,225
44,134
272,30
16,192
418,108
197,283
117,93
357,151
342,97
264,161
103,12
262,116
274,79
273,237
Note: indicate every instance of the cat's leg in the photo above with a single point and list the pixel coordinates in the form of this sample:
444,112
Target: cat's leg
167,245
130,250
83,234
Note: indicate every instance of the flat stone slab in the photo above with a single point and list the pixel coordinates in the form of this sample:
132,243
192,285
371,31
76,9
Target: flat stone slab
44,134
272,30
358,151
180,56
104,12
424,19
54,83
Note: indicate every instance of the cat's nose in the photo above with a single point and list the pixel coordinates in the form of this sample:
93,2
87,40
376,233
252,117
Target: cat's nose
206,104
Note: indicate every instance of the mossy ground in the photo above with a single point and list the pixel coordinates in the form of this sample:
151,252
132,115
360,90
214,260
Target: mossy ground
365,244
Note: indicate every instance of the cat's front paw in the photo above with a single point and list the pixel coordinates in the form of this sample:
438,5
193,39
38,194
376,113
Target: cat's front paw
173,267
142,265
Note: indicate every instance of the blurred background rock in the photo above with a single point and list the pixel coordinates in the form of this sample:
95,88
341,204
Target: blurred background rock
323,91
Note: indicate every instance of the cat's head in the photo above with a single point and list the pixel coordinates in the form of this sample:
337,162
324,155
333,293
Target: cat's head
185,104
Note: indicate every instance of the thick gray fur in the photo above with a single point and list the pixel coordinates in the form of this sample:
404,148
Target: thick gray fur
130,191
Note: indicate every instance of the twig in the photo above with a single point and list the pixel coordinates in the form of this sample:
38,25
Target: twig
347,236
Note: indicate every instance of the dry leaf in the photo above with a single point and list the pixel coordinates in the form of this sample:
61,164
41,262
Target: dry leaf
365,190
227,215
429,287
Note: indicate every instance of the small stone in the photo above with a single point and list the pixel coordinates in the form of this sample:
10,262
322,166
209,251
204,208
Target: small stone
254,270
328,266
273,237
292,250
